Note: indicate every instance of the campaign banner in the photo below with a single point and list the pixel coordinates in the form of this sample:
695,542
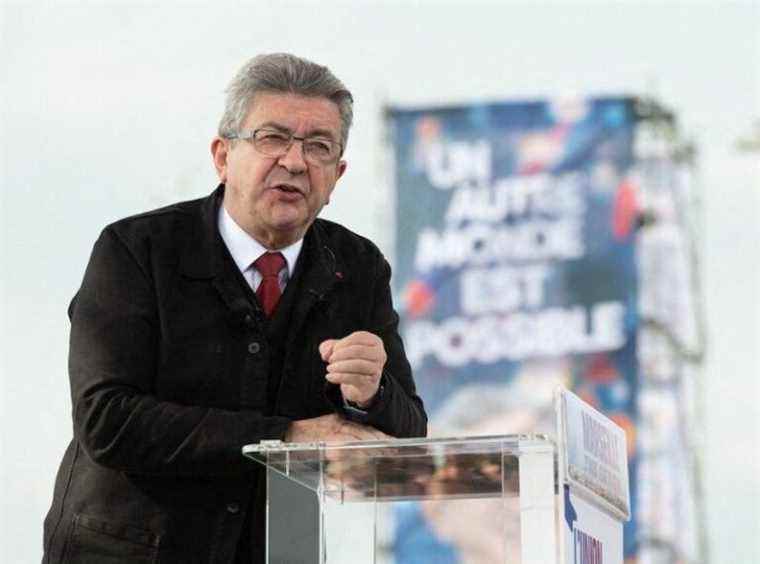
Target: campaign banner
514,262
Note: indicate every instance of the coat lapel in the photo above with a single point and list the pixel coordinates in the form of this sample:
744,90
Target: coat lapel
322,271
203,258
321,274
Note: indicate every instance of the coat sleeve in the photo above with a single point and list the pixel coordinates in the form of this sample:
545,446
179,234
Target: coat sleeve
113,359
399,411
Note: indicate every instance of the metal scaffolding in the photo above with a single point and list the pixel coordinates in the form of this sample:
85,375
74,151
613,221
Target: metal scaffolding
671,344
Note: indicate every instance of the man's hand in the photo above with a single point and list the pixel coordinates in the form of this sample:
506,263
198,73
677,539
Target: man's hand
331,428
356,363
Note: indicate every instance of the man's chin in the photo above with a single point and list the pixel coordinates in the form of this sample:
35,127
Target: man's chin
286,217
289,229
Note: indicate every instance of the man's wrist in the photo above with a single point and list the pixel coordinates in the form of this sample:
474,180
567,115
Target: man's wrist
366,406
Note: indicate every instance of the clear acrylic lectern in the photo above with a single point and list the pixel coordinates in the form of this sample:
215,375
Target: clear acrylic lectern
490,499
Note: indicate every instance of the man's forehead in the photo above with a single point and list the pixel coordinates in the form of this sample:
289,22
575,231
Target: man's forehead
293,111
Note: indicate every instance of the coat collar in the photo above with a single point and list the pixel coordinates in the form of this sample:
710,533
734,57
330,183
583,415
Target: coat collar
202,255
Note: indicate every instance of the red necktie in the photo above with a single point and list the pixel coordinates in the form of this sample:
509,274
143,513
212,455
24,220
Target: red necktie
268,292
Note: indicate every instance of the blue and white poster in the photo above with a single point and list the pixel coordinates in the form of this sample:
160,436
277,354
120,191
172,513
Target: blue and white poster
515,270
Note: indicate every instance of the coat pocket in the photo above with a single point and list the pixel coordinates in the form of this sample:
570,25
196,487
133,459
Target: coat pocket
93,541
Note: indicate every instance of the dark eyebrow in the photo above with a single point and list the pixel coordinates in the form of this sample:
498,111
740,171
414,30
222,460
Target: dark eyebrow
321,133
313,133
274,125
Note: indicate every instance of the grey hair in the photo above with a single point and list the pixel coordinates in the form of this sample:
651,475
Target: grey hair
285,73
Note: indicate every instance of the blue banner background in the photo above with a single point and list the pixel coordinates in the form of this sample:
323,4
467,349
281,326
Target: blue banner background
515,231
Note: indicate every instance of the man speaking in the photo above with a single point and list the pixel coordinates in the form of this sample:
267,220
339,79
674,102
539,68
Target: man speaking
211,324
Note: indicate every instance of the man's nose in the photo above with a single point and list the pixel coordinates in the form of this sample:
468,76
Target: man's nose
293,159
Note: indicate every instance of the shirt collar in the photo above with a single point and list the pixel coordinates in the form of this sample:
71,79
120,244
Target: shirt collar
244,249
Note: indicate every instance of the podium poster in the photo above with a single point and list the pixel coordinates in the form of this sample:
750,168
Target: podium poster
514,269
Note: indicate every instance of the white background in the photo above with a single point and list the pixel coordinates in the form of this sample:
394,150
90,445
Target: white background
108,109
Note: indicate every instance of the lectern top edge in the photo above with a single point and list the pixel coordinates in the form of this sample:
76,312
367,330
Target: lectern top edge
468,442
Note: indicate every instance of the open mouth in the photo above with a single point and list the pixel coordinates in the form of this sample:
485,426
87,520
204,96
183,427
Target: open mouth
288,190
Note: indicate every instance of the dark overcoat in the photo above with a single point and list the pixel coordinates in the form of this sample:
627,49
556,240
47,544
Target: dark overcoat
172,371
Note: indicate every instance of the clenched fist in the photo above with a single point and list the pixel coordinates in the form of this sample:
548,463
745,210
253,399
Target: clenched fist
355,363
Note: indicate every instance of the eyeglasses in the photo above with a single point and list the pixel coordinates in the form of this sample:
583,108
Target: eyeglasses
276,143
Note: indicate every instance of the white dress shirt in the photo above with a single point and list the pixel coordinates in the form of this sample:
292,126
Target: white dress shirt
244,250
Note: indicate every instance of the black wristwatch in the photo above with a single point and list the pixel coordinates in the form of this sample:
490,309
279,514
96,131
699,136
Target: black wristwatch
360,414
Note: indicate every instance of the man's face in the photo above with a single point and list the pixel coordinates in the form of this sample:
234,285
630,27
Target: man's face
275,199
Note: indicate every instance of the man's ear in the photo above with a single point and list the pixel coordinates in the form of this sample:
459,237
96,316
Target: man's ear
219,150
341,168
